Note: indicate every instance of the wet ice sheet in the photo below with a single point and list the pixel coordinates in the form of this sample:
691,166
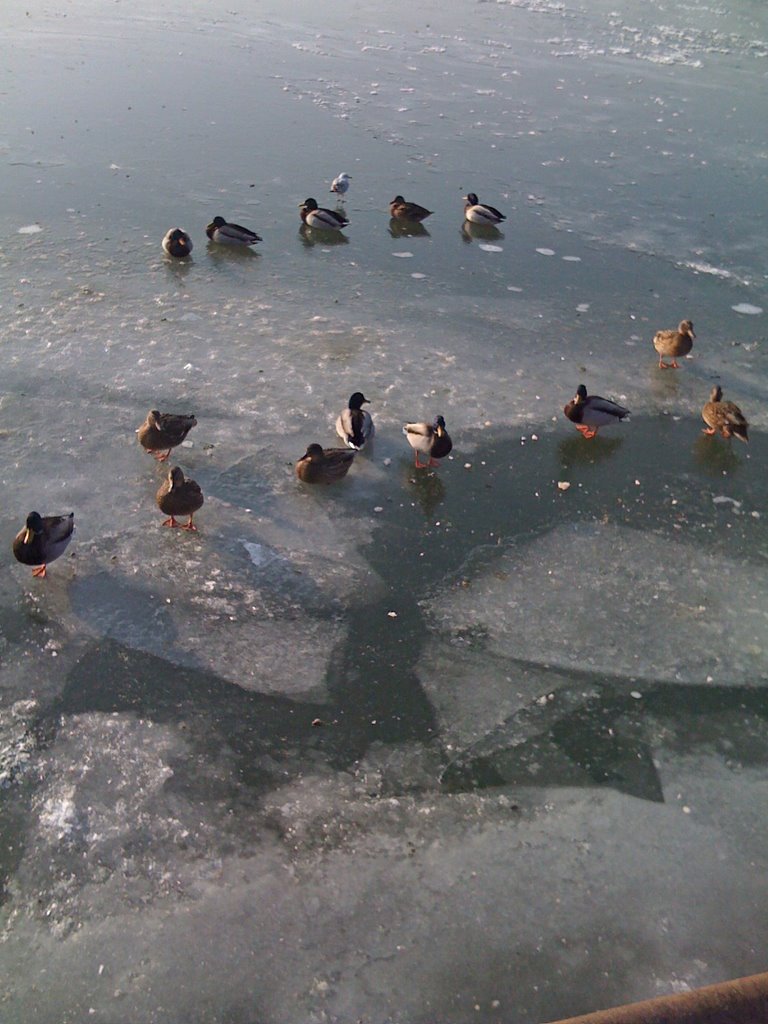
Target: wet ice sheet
621,602
354,909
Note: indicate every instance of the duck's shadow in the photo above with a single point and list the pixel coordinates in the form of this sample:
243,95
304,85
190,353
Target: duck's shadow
311,237
407,229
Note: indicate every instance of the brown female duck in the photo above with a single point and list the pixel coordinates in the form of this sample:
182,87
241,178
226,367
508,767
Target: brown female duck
674,344
178,496
401,210
321,465
724,418
162,431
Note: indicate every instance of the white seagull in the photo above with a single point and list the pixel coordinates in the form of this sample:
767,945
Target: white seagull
340,184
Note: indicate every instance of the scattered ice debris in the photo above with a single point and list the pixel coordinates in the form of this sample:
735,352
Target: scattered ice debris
572,259
418,276
512,288
487,247
563,485
378,508
747,309
582,307
721,499
30,229
259,554
636,694
392,615
403,255
546,252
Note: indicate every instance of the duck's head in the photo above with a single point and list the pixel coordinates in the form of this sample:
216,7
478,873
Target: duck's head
356,401
308,205
175,477
179,239
686,327
397,201
716,394
314,452
34,525
439,426
471,198
581,394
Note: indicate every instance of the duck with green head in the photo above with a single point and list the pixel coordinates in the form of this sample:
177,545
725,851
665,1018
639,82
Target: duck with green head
590,412
42,540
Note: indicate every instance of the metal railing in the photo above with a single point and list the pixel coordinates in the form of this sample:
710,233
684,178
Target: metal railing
743,1001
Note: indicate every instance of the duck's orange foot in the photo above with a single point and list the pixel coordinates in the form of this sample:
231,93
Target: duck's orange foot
433,462
587,432
420,465
39,571
170,521
709,431
190,525
162,456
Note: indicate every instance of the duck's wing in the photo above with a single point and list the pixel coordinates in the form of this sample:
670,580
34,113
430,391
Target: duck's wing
605,407
174,426
237,233
336,462
496,214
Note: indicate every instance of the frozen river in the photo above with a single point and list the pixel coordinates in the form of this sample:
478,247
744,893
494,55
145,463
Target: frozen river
487,743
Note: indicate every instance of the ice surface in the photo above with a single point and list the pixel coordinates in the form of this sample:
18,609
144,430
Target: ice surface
444,745
621,602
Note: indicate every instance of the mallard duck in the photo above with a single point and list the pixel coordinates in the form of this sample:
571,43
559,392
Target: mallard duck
431,439
674,344
178,496
354,425
725,418
401,210
479,213
315,216
162,431
590,413
224,233
43,540
340,184
177,243
320,465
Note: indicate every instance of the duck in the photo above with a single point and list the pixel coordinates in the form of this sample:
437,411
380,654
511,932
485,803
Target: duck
315,216
320,465
340,184
589,413
224,233
725,418
401,210
178,496
431,439
479,213
42,540
177,243
162,431
354,424
674,344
